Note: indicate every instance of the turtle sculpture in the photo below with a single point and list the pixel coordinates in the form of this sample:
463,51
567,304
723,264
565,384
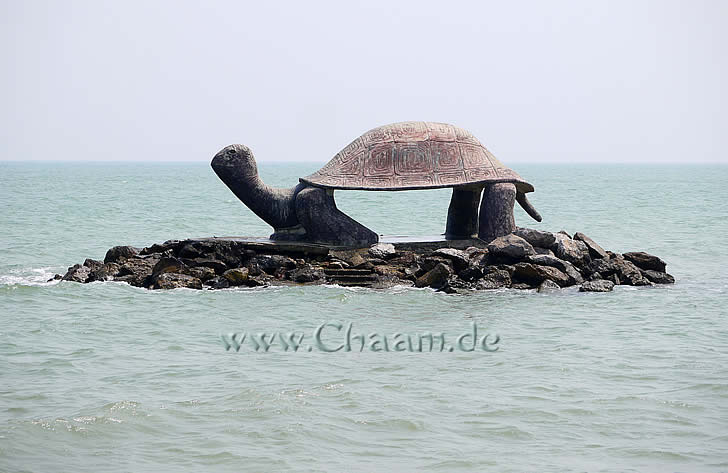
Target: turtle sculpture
400,156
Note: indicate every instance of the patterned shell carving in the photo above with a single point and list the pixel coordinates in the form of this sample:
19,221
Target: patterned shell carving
413,155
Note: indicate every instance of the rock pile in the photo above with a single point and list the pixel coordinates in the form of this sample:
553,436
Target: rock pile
525,259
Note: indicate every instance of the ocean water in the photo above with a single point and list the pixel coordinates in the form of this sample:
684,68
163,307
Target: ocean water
105,377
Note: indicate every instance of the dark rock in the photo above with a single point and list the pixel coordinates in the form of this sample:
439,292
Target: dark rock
459,258
595,251
494,279
218,282
176,280
471,273
509,248
93,264
169,265
645,261
119,254
56,277
536,237
658,277
306,274
548,285
436,277
431,261
236,276
543,251
271,263
106,272
382,251
203,273
563,266
77,273
573,251
169,245
563,232
135,271
218,266
626,271
599,285
522,285
376,261
534,274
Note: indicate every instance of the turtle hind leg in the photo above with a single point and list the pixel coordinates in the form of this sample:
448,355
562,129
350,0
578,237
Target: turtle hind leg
496,211
325,223
462,214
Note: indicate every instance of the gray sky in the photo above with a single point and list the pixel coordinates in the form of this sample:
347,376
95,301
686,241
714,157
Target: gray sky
587,81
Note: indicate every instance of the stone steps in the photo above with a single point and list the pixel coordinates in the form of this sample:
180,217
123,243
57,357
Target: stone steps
351,277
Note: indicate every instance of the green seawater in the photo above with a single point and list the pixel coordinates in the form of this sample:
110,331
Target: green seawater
105,377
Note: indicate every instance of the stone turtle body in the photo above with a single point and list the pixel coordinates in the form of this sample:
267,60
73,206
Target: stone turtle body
400,156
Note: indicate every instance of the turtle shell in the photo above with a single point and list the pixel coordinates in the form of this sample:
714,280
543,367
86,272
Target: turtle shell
413,155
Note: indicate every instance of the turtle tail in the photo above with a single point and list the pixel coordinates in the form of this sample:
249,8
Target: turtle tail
530,210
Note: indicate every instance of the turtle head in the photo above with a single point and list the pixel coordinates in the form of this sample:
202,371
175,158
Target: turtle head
236,156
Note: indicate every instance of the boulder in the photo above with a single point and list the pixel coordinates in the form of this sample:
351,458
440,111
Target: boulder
119,254
471,273
599,285
93,264
459,258
382,250
573,251
218,266
645,260
135,271
306,273
167,246
169,264
543,251
548,285
595,251
494,279
536,237
658,277
272,263
176,280
77,273
625,271
236,276
203,273
218,282
436,277
534,274
509,248
106,272
563,266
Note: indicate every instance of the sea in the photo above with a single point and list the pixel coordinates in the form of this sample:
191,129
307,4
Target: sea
105,377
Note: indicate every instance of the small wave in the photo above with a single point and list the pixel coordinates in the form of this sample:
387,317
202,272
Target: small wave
29,277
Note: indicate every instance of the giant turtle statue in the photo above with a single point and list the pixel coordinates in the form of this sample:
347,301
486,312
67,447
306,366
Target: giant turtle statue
400,156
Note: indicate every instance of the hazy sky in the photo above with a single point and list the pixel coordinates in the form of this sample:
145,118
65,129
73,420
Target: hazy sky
545,81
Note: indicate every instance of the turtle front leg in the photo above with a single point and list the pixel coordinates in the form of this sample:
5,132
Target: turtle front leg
325,223
496,211
462,215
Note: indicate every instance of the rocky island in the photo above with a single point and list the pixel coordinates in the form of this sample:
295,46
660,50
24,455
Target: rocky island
524,259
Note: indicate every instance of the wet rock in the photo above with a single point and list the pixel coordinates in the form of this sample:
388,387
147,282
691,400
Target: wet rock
119,254
218,282
548,285
236,276
509,248
534,274
565,267
56,277
645,260
135,271
77,273
536,237
436,277
382,251
426,264
271,263
595,251
626,271
307,274
93,264
203,273
599,285
522,286
459,258
494,279
176,280
169,245
573,251
471,273
455,285
658,277
218,266
169,265
106,272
